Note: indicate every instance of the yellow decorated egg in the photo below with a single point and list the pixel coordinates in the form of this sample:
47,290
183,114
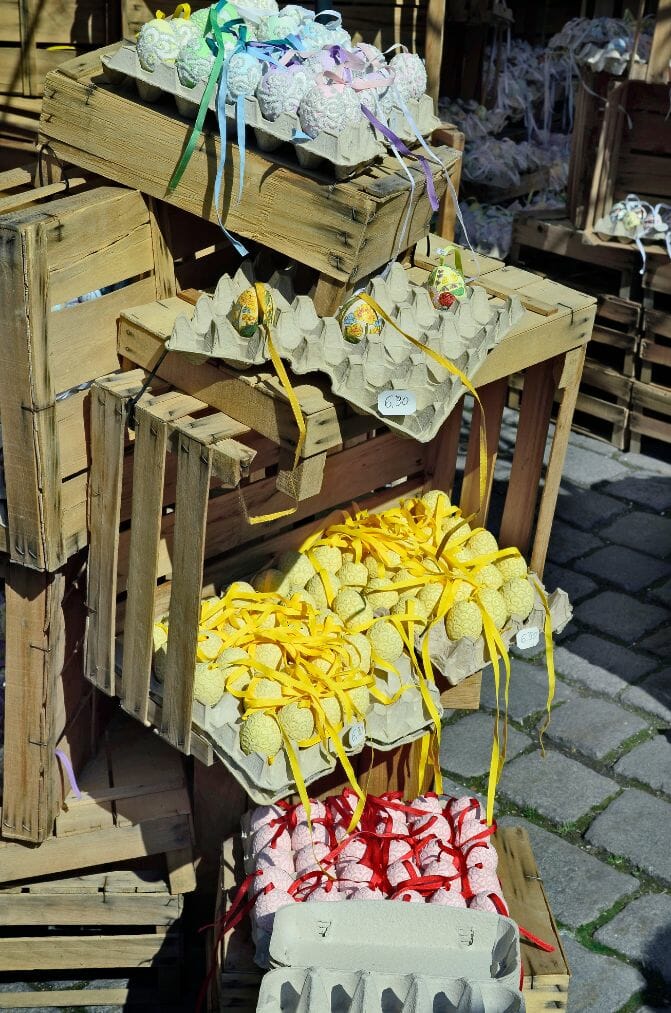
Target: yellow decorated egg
254,306
358,320
446,286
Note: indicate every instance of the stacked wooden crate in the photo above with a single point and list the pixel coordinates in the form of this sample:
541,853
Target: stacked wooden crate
651,393
35,37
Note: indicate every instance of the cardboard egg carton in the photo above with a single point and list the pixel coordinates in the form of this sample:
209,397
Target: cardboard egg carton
456,660
348,151
377,956
423,115
392,725
358,373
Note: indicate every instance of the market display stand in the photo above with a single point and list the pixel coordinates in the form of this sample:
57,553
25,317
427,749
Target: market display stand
236,980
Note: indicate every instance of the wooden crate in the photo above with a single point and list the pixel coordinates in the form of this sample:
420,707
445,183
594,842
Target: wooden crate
117,919
344,231
650,416
19,125
71,238
546,975
616,334
35,37
655,349
159,563
134,802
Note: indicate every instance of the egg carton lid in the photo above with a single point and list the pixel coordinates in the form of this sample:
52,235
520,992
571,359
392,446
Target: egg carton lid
456,660
360,372
313,990
607,227
352,148
392,725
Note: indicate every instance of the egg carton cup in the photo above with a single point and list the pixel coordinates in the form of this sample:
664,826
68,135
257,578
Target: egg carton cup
392,725
358,373
422,112
312,990
325,948
350,150
456,660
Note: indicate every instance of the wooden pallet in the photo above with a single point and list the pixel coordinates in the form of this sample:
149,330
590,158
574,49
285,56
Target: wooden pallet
134,802
117,919
37,37
345,230
650,415
546,975
71,238
655,349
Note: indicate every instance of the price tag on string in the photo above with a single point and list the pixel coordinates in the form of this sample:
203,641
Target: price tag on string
528,638
396,402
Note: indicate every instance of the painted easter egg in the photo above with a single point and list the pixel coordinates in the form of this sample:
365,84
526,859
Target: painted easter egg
358,320
328,108
281,90
252,307
631,221
194,63
156,43
446,286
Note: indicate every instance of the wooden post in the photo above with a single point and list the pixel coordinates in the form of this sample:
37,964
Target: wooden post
660,54
433,46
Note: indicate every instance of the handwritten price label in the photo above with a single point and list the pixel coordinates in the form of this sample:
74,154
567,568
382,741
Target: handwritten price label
396,402
357,734
528,638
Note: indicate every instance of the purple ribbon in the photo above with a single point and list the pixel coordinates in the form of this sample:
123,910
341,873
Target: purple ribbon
65,760
405,150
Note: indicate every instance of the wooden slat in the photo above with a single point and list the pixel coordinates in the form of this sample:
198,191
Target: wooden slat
108,428
493,400
523,484
194,468
68,997
37,954
104,908
441,452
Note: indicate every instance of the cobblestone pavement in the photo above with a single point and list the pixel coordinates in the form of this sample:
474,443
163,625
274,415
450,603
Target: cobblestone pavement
598,806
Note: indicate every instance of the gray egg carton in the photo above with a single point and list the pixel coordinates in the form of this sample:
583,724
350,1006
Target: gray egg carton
389,726
464,335
422,112
348,152
456,660
313,990
379,956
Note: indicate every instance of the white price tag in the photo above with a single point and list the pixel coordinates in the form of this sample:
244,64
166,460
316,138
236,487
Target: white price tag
357,734
396,402
528,638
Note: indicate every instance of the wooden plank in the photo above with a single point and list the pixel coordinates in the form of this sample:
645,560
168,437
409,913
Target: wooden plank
465,695
164,265
660,53
493,400
433,47
59,997
30,450
574,364
35,645
441,452
34,953
523,484
194,467
103,908
148,477
108,428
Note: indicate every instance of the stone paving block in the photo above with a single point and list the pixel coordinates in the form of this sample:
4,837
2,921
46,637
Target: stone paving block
599,984
579,886
643,462
567,543
586,508
457,790
600,664
576,585
617,564
653,491
528,690
663,592
465,747
593,726
659,642
643,531
649,763
642,931
557,787
619,829
652,695
620,615
585,467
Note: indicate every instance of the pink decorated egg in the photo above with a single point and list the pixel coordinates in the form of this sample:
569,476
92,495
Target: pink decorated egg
301,835
401,872
464,804
264,814
410,897
483,902
279,879
449,898
365,893
310,857
482,881
354,873
444,866
275,838
266,906
323,893
352,852
398,851
271,858
483,856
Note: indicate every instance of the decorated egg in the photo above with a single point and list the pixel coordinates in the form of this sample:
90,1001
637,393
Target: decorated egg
328,107
410,75
229,12
185,31
244,75
194,63
157,43
358,320
254,306
445,284
281,90
631,221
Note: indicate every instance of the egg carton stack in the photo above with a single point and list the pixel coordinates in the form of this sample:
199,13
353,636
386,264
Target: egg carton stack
381,360
435,852
457,659
414,960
